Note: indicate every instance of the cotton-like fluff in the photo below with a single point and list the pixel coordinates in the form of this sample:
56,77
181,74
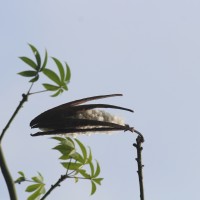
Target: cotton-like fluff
98,115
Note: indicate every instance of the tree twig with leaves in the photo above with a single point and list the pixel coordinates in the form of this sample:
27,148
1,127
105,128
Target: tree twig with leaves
37,67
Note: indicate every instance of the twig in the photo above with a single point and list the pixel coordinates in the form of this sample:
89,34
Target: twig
24,99
138,146
57,184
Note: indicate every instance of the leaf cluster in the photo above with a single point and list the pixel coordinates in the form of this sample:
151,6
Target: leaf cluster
78,165
37,188
60,80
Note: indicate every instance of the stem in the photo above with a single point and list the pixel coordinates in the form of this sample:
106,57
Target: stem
38,92
4,168
138,146
7,176
61,179
24,99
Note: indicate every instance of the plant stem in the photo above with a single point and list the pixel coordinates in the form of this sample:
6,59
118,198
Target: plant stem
138,146
4,168
7,176
24,99
61,179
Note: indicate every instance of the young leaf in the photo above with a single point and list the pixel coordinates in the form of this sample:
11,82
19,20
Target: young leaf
20,179
91,169
94,188
37,193
50,87
60,68
76,156
37,56
57,93
68,73
83,149
29,62
84,173
97,172
90,156
71,166
34,79
63,149
97,180
28,73
61,139
33,187
52,75
38,179
45,61
21,173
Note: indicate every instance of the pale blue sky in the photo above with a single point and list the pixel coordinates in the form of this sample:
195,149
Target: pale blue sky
147,50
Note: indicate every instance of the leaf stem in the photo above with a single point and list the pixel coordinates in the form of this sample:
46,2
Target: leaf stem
38,92
138,146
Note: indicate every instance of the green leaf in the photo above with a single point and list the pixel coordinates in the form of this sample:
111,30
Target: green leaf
21,173
57,93
91,169
76,179
38,179
45,61
68,73
68,143
37,193
83,149
37,55
84,173
60,68
97,172
71,166
29,62
97,180
34,79
28,73
50,87
61,139
94,188
63,149
65,87
69,139
76,156
33,187
52,75
64,157
90,156
20,179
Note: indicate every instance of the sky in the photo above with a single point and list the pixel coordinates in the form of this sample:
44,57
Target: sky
147,50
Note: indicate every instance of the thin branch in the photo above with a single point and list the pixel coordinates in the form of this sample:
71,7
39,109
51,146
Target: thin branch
138,146
57,184
7,176
4,168
24,99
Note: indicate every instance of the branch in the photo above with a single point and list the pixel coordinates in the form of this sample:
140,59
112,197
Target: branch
57,184
5,171
24,99
7,176
138,146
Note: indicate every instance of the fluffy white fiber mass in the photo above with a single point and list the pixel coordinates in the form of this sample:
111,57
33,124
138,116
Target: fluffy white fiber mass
98,115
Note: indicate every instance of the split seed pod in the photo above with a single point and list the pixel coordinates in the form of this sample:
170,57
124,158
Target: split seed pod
75,118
